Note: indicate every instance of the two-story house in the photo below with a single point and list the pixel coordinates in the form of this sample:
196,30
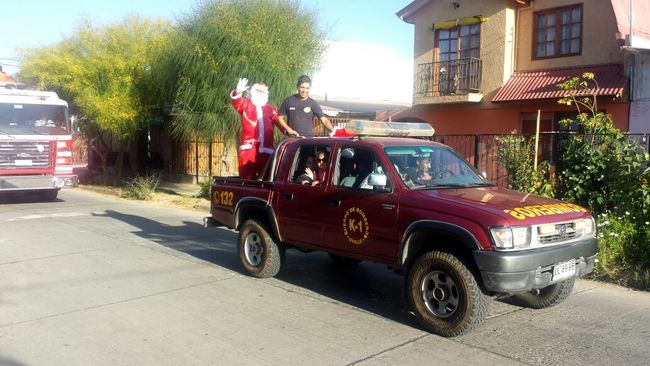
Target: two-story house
488,66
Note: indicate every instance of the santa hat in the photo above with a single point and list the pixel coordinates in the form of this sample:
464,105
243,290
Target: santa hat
341,132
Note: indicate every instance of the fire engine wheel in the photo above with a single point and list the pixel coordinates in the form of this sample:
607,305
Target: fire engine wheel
258,252
48,194
444,295
547,296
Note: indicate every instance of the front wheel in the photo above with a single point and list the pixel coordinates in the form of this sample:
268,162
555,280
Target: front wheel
547,296
258,252
444,295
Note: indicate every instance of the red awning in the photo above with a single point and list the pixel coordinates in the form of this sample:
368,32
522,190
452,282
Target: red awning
542,84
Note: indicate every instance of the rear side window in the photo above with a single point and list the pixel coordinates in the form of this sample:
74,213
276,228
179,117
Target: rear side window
311,164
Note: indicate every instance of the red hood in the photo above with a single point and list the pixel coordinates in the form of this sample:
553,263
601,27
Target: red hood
515,207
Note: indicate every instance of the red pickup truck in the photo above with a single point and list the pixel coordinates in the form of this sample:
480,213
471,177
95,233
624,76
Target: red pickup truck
419,208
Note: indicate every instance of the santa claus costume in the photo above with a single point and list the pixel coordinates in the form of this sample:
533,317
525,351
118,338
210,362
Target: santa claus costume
258,118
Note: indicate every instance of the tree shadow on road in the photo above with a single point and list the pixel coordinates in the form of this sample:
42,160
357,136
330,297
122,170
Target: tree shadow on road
215,246
370,287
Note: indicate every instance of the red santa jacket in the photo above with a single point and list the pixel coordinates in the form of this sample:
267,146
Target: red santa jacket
251,132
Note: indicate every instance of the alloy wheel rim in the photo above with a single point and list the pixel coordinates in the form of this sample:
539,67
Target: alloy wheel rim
440,294
253,249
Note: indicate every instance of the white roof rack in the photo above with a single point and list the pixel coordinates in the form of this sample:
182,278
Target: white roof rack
389,129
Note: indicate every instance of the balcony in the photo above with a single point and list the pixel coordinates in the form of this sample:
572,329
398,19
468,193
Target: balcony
452,81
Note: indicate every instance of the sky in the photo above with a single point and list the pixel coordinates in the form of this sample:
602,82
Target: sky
369,57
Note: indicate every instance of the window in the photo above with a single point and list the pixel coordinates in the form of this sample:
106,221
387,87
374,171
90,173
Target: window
458,48
311,165
558,32
428,166
360,169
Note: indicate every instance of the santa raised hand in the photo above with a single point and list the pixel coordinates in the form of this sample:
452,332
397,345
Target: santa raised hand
258,118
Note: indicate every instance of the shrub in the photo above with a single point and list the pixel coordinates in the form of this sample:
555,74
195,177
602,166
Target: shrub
205,185
141,187
606,172
516,154
624,244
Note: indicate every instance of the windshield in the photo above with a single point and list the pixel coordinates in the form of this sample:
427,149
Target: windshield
433,167
33,119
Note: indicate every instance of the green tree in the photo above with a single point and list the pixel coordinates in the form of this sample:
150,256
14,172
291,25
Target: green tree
602,168
266,41
105,73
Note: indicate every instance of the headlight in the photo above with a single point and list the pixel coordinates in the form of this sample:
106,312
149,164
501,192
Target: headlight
590,226
511,237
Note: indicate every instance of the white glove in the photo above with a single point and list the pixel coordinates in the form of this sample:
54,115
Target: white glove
309,173
334,131
242,85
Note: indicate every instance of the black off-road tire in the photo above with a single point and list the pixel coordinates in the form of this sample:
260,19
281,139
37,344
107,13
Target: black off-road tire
547,296
444,295
343,261
258,252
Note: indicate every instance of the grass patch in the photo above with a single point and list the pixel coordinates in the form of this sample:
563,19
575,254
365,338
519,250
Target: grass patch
141,187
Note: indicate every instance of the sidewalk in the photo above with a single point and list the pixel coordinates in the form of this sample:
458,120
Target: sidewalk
185,189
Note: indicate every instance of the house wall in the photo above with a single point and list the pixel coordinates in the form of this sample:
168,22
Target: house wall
462,120
599,44
506,46
497,38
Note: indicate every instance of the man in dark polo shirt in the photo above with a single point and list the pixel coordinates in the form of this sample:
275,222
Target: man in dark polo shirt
298,110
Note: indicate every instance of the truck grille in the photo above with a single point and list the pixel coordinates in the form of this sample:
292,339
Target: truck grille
24,155
564,231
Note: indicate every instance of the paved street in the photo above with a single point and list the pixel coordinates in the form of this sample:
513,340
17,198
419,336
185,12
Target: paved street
94,280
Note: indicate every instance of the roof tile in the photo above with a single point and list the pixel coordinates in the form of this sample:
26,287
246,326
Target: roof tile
542,84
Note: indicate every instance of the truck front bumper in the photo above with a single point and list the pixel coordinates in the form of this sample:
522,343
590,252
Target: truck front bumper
520,271
37,182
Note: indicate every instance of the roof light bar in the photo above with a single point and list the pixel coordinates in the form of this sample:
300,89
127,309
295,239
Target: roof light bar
390,129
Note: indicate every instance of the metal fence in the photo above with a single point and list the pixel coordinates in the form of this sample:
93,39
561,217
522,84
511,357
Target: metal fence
482,150
449,77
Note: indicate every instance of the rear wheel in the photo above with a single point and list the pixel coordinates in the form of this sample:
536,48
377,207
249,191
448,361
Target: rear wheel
48,194
547,296
258,252
444,295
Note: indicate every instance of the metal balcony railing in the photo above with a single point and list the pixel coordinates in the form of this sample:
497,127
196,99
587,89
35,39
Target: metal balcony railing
455,77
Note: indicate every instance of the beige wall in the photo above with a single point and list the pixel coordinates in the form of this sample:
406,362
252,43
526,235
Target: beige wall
599,44
497,37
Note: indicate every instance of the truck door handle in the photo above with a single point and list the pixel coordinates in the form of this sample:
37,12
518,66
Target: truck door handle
288,196
335,202
387,206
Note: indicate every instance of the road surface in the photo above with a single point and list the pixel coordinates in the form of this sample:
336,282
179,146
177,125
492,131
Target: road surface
95,280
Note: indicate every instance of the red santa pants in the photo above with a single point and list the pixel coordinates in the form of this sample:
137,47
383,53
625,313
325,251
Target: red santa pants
252,162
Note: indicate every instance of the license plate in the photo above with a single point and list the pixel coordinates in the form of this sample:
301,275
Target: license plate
564,270
22,162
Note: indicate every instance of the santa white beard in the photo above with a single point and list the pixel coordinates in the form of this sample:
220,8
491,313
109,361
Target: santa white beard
259,99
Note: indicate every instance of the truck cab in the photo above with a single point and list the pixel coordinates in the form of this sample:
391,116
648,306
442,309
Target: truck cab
35,143
418,207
